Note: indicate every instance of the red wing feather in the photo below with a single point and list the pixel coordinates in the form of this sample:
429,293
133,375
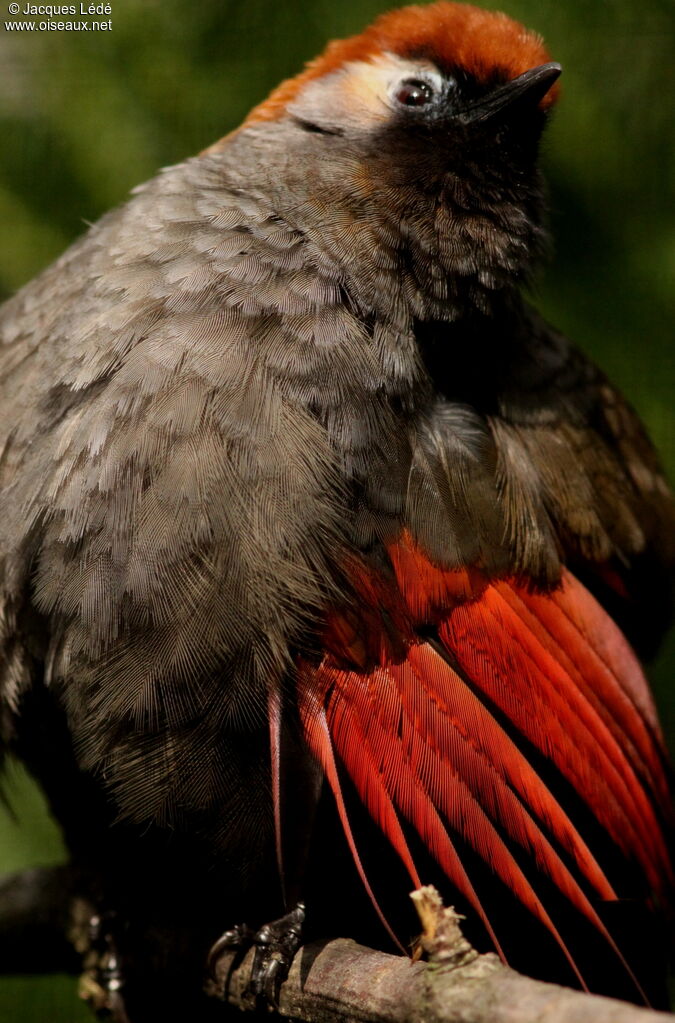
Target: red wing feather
419,734
603,667
449,706
374,795
500,650
359,739
618,677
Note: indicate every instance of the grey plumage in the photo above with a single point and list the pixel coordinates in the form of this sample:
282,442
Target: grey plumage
270,361
203,412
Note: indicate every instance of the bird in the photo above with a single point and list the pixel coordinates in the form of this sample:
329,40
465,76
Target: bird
327,563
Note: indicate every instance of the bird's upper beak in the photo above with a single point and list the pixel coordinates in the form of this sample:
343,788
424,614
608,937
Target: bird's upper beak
524,91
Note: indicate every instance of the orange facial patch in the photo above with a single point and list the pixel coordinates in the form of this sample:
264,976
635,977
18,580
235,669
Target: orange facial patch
482,43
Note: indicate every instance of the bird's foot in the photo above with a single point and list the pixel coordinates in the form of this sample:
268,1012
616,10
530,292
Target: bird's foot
275,945
238,938
102,982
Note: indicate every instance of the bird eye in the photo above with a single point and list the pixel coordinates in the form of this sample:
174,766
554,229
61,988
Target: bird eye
414,93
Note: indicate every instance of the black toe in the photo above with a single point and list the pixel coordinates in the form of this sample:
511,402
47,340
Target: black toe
275,946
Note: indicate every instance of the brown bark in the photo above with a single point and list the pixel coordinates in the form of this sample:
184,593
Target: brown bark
336,981
342,982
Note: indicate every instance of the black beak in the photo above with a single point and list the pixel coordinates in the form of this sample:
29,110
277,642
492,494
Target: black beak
524,91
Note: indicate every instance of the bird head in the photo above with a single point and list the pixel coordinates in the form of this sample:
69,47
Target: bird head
424,130
442,67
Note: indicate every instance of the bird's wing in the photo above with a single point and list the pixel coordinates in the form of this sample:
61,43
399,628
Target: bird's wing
570,444
438,739
487,654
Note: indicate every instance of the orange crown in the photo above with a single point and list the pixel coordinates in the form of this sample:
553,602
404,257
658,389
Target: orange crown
483,43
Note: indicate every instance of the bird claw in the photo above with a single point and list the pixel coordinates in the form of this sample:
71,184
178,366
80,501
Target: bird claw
240,936
102,983
275,946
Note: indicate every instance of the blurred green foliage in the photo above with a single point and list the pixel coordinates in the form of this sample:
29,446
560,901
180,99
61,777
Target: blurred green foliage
85,117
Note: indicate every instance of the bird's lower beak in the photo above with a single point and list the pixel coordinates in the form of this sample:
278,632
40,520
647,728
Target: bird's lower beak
525,91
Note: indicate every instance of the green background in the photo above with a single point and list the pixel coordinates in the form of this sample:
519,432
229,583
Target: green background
85,117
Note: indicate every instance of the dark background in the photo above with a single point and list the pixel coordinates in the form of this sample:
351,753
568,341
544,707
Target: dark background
85,117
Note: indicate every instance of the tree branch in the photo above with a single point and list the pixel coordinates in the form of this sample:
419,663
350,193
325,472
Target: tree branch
342,982
35,911
335,981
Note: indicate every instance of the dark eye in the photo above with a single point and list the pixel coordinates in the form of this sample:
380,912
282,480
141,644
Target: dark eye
414,93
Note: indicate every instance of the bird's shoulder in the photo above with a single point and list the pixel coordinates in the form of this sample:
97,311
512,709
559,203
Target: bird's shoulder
561,467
